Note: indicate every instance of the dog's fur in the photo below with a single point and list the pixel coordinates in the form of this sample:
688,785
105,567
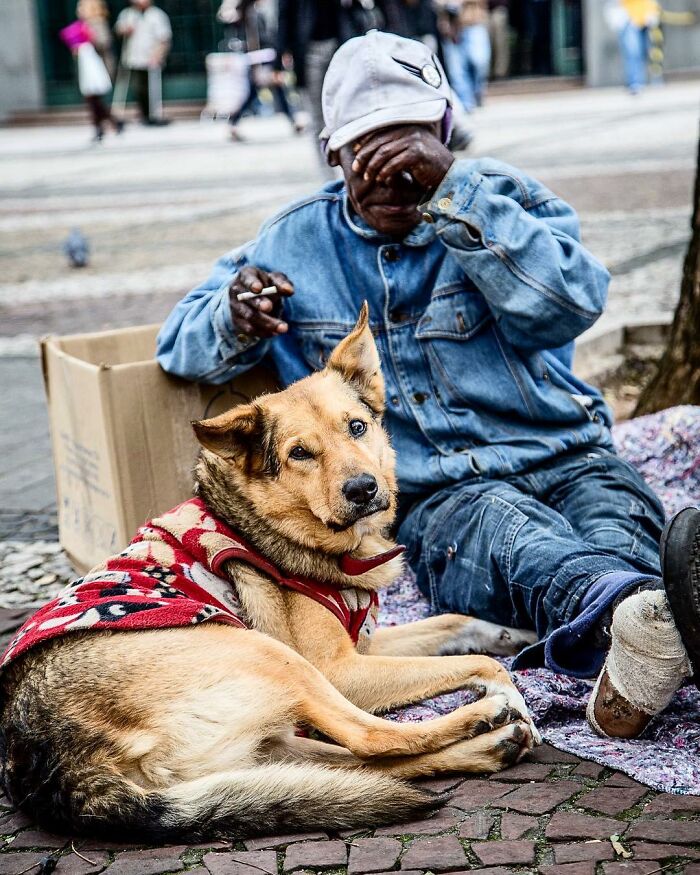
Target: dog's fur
191,731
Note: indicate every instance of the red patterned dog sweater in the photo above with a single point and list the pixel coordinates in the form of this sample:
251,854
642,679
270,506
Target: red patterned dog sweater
169,576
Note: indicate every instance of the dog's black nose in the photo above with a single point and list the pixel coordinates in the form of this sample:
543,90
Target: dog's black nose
361,489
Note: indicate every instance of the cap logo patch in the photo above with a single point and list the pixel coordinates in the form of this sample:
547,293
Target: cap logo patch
431,75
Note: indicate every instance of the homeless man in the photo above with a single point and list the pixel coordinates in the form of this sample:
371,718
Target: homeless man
513,504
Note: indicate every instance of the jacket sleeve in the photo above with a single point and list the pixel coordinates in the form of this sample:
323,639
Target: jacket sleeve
520,246
198,340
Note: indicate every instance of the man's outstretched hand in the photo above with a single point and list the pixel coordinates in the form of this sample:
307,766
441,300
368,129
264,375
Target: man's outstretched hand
258,317
412,148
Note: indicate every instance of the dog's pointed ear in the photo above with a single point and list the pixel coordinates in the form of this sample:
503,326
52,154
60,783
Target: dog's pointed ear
357,360
232,434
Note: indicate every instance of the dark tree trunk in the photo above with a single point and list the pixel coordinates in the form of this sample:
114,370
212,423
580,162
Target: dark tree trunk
677,380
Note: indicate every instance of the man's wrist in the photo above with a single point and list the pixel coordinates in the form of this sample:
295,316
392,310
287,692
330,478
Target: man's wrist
452,198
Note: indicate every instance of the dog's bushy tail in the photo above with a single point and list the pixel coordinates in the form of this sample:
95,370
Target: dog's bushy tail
263,800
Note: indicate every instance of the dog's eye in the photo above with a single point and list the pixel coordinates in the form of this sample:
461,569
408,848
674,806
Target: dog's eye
299,453
357,427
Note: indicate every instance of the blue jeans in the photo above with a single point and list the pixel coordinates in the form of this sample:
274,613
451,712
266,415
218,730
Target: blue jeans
525,550
634,46
467,63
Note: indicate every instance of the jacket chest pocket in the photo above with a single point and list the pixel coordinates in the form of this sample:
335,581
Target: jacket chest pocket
318,342
461,352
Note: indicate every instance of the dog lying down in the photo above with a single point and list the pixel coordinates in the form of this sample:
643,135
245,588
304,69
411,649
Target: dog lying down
180,688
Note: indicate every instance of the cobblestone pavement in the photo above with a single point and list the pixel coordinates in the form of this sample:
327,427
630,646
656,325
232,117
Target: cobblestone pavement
158,207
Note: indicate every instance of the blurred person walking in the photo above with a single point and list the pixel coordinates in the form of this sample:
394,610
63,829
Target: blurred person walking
466,47
310,31
96,15
94,81
499,36
246,29
633,20
147,37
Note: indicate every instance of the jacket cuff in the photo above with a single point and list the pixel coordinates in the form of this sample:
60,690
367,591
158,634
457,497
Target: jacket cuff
455,200
232,343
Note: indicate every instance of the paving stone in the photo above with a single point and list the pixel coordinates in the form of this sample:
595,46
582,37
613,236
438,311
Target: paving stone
441,854
649,851
278,841
477,793
316,854
588,769
37,838
514,826
148,861
443,819
587,868
693,869
240,863
440,785
72,864
667,831
13,864
373,855
545,753
631,867
582,851
566,825
14,820
612,800
538,798
524,772
618,779
668,803
512,853
477,826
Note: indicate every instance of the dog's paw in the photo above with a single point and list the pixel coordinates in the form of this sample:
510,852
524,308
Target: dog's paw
516,703
516,742
496,711
480,636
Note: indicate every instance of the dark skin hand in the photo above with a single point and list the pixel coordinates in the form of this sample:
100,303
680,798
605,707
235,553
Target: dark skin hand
375,169
258,317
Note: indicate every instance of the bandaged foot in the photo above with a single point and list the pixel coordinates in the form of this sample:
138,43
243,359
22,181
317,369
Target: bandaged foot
646,664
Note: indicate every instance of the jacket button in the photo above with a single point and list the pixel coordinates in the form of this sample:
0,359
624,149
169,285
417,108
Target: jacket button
392,254
451,551
419,397
445,203
428,218
394,400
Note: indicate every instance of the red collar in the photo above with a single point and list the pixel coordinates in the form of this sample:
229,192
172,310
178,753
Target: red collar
353,566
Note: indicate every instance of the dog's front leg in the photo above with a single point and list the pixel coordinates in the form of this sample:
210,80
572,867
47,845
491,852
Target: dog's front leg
449,634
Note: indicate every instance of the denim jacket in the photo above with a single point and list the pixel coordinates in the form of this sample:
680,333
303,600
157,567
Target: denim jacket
474,313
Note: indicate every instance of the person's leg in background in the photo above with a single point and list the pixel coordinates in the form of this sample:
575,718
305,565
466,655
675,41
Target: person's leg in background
633,48
139,81
500,42
93,102
456,60
478,51
318,57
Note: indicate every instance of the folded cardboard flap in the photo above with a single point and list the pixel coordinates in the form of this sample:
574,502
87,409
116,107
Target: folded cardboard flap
120,427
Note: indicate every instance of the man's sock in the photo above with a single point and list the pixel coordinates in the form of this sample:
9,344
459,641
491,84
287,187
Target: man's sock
646,664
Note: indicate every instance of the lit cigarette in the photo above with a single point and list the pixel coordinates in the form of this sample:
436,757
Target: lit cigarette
246,296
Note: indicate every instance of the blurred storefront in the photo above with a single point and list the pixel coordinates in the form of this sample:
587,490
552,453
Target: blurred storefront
547,38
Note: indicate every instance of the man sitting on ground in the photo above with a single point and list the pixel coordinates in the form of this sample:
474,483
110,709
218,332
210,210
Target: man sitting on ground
514,506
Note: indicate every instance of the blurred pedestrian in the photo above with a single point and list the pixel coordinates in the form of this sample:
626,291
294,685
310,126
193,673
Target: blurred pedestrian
538,33
96,15
246,28
415,19
466,47
94,82
499,36
310,31
633,20
147,36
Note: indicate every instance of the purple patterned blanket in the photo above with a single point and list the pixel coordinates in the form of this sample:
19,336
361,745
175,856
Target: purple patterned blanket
665,447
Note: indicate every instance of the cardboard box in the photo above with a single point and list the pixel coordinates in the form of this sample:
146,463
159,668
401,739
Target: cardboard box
120,426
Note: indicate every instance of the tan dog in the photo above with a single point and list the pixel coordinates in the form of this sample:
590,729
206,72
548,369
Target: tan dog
192,731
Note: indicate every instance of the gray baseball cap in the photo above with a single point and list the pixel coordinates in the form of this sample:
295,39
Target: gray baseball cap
378,80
